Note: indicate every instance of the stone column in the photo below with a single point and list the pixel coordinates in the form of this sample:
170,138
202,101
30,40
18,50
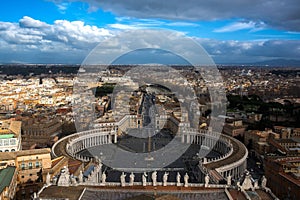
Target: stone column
116,138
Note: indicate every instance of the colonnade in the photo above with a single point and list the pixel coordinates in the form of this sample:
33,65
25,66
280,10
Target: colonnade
235,169
87,139
207,139
222,144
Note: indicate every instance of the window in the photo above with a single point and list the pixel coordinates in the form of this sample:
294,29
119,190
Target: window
5,142
22,176
37,164
30,165
13,141
13,150
30,174
22,166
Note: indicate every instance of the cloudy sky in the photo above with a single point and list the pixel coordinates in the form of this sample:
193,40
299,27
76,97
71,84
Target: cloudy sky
235,31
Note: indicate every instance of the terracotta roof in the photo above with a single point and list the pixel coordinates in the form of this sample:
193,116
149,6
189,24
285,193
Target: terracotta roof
167,197
235,194
290,178
15,127
71,193
56,161
263,195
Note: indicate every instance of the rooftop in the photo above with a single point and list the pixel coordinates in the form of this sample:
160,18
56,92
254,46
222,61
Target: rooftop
133,193
6,176
10,129
12,155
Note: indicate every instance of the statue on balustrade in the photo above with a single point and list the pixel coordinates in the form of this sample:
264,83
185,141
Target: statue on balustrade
186,180
131,179
154,178
178,177
144,179
80,177
206,180
165,179
229,180
103,178
64,178
48,181
122,179
263,182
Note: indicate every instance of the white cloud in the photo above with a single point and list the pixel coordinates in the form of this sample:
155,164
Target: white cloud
65,41
28,22
123,26
31,31
127,23
237,26
63,6
182,24
232,51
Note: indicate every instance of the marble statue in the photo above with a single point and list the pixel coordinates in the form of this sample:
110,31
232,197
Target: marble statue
73,180
186,180
247,184
131,180
239,185
206,180
54,180
144,179
48,179
80,177
256,185
178,177
229,180
64,178
154,178
99,166
89,178
263,182
165,179
103,178
122,179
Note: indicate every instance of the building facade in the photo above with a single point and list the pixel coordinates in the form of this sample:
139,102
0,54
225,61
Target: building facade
10,136
283,176
29,163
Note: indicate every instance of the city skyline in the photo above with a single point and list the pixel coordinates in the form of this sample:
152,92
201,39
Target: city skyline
65,32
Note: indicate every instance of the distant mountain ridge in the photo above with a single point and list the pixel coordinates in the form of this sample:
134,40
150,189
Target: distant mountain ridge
280,62
270,63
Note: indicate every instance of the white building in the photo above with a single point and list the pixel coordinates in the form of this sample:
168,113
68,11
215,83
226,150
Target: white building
10,136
